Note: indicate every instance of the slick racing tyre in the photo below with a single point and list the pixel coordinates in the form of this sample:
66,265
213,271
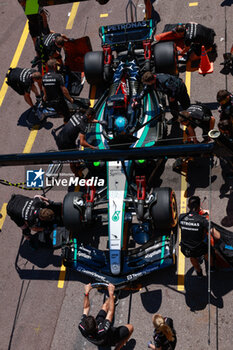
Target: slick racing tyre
94,67
72,211
165,58
164,210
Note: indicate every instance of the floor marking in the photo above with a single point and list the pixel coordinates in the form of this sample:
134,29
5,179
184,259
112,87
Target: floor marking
193,4
31,139
103,15
15,60
3,213
62,276
183,203
72,14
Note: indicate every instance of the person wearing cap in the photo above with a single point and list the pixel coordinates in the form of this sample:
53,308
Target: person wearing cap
168,84
33,213
99,330
25,80
225,125
194,228
197,115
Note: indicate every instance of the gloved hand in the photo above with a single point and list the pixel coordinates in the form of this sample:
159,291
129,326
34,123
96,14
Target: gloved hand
149,344
103,122
26,232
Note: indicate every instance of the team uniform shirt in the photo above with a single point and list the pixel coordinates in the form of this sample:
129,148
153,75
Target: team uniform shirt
161,341
165,83
67,137
46,46
193,228
200,115
52,83
198,34
21,208
103,327
22,78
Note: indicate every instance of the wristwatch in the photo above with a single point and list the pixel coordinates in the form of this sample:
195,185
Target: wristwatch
86,294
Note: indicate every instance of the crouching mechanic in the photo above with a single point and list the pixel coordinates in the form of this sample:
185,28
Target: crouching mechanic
197,115
25,80
77,126
194,228
34,214
170,85
99,330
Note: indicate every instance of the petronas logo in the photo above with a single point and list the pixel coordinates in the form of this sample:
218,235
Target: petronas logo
115,216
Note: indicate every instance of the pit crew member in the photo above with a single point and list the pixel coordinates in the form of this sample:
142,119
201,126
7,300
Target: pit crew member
25,80
55,91
164,333
99,330
197,115
37,23
225,125
170,85
194,228
33,213
77,126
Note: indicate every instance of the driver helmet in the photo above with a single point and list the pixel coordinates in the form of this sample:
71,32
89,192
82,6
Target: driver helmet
121,124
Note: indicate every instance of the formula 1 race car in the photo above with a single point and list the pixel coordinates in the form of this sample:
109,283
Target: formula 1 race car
129,203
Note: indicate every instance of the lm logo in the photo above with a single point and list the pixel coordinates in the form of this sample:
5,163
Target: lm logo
35,178
115,216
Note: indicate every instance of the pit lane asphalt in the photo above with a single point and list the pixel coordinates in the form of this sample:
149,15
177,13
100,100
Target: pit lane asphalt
35,314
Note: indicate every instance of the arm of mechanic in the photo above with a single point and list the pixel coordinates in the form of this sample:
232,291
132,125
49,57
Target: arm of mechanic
28,99
86,303
66,94
111,307
84,143
35,90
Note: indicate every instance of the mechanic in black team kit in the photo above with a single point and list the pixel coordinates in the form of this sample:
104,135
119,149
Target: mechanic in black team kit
55,91
77,125
225,98
194,227
23,81
197,115
33,213
170,85
164,333
49,46
99,330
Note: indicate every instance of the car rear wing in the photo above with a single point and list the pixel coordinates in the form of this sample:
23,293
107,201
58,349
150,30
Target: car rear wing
119,35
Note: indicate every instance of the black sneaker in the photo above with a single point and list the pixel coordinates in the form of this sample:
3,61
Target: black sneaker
199,274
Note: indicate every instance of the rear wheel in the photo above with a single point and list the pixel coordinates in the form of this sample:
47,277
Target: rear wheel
72,209
164,210
94,67
165,59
